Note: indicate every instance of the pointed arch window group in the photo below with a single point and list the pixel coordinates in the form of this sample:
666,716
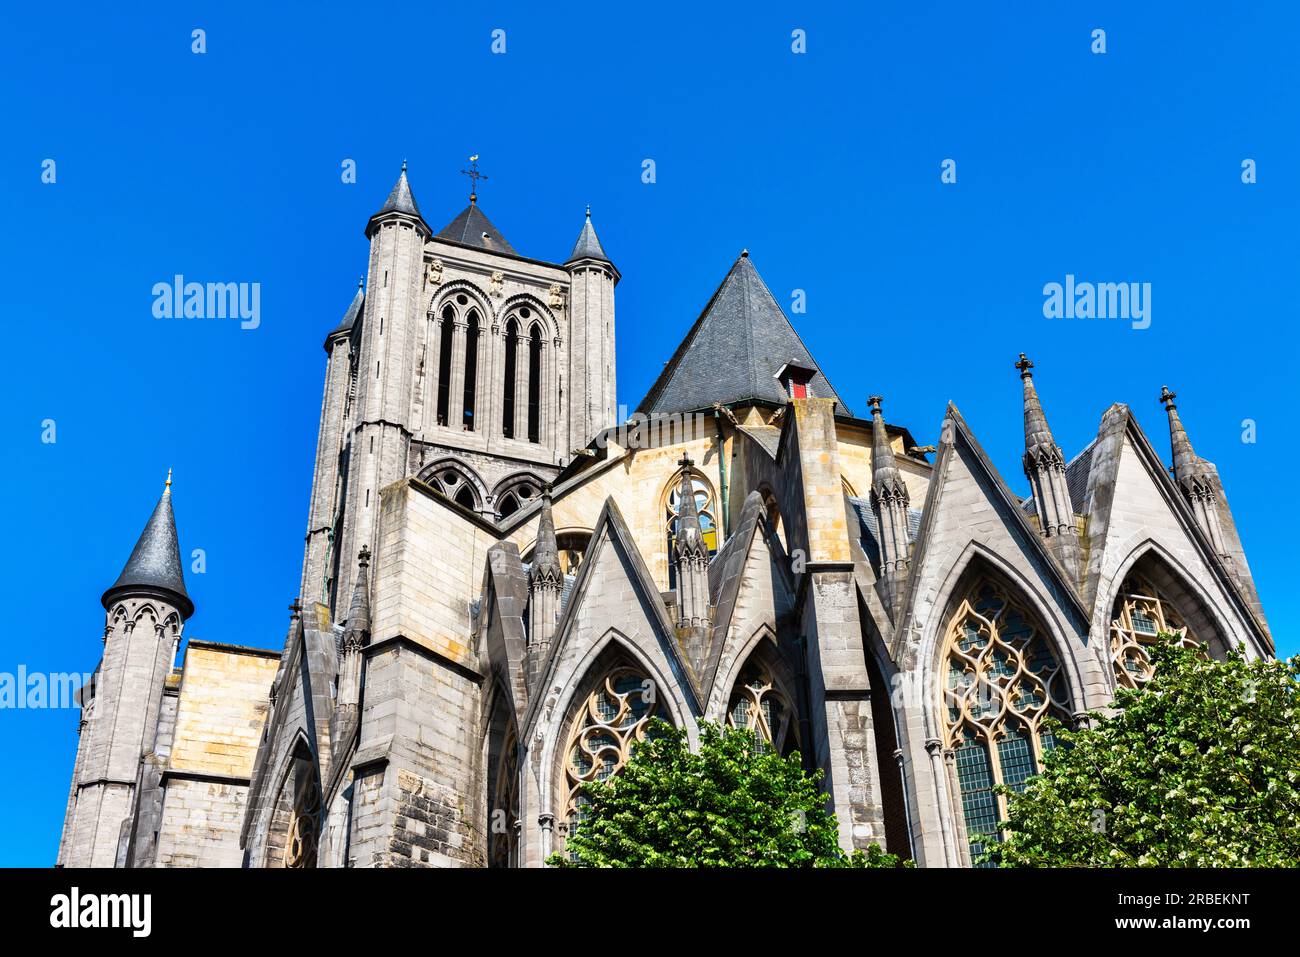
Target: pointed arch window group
463,361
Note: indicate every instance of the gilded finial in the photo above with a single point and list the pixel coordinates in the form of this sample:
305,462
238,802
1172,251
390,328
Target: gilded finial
168,484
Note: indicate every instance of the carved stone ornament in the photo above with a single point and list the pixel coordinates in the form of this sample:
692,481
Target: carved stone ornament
557,296
433,273
495,283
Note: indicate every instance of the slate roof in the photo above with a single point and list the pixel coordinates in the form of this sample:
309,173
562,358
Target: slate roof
472,228
588,245
401,199
155,562
870,536
352,314
734,350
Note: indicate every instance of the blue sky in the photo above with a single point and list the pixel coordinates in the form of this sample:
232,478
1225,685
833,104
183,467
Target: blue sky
225,166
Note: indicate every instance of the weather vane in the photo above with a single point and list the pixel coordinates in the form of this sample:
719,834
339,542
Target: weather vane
474,176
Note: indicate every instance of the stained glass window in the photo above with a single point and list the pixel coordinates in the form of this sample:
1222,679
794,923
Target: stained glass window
1141,614
706,506
757,704
1003,679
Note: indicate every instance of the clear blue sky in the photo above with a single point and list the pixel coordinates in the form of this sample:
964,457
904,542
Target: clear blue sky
226,167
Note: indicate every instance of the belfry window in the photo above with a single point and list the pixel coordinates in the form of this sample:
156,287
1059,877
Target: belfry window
508,397
1002,680
706,505
535,383
445,327
1142,614
471,370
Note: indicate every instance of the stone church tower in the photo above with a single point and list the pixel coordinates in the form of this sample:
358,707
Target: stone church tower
502,584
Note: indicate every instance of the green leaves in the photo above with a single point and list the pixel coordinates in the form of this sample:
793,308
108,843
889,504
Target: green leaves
731,804
1200,767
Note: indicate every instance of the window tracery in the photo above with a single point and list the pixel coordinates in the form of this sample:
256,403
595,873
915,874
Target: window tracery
1140,615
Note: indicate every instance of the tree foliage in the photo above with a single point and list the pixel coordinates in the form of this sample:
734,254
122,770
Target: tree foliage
1200,767
732,803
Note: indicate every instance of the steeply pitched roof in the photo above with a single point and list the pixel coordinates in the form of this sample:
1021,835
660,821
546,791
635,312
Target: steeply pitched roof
588,245
734,350
352,314
472,228
155,562
401,199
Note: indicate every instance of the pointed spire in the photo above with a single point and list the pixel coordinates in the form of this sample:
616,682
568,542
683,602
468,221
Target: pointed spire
155,563
1039,443
351,314
886,480
690,537
359,612
400,200
1190,470
588,245
546,555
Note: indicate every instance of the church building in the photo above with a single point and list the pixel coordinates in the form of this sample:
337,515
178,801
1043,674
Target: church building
502,584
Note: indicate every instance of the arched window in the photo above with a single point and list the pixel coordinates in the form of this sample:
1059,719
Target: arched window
705,504
1002,680
503,815
296,822
471,370
610,721
759,705
535,383
508,396
446,327
1141,614
515,498
453,484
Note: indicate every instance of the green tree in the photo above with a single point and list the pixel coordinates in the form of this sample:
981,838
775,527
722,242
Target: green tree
731,804
1200,767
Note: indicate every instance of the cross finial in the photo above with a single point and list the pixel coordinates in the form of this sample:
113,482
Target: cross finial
1167,398
873,403
685,463
546,489
474,176
1024,365
168,483
363,557
295,610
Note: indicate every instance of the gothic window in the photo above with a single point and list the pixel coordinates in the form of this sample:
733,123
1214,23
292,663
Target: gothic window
612,719
1002,680
573,548
455,486
757,704
508,397
445,328
515,498
297,819
705,504
503,840
535,383
1141,614
471,370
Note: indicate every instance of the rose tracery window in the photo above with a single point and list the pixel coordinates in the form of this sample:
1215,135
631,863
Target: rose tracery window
613,719
1002,680
301,844
757,704
1141,614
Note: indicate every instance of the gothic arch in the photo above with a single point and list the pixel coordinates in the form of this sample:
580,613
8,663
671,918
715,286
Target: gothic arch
537,310
501,784
457,481
707,504
297,815
577,682
1191,606
524,487
603,717
762,694
1000,677
450,292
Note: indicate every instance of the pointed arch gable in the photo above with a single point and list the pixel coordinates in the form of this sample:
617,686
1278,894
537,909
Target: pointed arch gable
550,724
538,311
613,551
431,473
447,295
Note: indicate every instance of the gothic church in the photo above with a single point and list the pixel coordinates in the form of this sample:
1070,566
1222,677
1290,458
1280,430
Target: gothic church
502,584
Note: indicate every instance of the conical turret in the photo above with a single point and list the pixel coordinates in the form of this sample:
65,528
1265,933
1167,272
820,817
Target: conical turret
155,563
1045,468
